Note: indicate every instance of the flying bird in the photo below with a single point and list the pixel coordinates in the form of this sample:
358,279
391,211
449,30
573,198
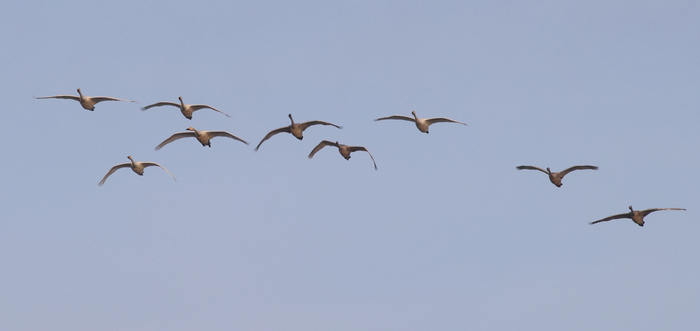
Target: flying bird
637,216
87,102
295,129
421,123
344,150
556,177
204,137
186,109
137,167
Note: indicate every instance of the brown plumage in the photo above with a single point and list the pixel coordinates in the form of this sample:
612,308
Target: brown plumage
556,177
185,109
296,129
344,150
636,216
421,123
204,137
85,101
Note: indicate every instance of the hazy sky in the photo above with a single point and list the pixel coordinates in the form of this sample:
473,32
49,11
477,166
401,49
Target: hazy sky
446,235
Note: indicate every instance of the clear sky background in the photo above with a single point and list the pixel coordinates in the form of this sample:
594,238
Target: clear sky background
446,235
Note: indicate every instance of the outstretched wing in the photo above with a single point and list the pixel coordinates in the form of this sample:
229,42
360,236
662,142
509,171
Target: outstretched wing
198,107
321,145
72,97
226,134
531,168
397,117
272,133
442,119
360,148
579,167
174,137
149,164
646,212
310,123
100,99
164,103
625,215
111,171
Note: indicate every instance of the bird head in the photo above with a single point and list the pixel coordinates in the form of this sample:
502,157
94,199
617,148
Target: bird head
190,128
630,207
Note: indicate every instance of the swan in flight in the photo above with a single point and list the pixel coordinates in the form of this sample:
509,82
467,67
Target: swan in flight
204,137
87,102
186,109
556,177
295,129
421,123
637,216
137,167
344,150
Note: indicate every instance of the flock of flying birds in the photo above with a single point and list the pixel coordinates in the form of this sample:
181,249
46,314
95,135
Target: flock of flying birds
296,129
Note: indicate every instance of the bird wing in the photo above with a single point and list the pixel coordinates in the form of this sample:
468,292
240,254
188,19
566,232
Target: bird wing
321,145
149,164
198,107
272,133
442,119
625,215
531,168
100,99
163,103
579,167
360,148
72,97
226,134
397,117
111,171
174,137
646,212
310,123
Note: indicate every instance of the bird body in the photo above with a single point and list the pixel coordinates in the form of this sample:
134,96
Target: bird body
296,129
136,166
344,150
421,123
556,177
85,101
204,137
186,109
637,216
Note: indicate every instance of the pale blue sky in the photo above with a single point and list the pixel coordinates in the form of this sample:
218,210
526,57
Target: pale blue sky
446,235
